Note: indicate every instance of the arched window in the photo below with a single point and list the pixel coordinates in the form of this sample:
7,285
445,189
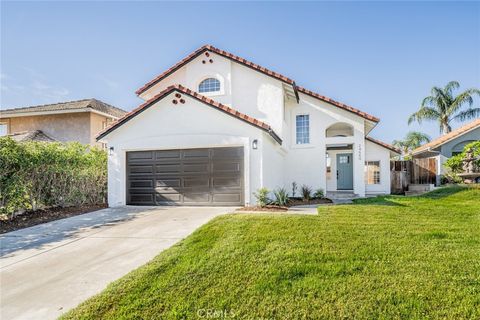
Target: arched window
209,85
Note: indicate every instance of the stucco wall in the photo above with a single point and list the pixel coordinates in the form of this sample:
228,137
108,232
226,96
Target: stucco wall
273,164
263,97
63,127
78,126
97,123
458,143
250,92
259,96
374,152
190,125
306,164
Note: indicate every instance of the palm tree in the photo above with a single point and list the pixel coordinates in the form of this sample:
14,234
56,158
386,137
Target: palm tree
444,107
413,140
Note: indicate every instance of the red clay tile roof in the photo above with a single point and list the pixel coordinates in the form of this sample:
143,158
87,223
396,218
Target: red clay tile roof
223,53
383,144
256,67
447,137
230,111
338,104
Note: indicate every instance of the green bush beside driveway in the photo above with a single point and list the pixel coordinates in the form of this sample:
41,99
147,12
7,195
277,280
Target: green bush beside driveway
36,175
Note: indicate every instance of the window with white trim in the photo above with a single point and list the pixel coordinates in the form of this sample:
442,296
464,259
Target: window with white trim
209,85
3,129
372,172
302,122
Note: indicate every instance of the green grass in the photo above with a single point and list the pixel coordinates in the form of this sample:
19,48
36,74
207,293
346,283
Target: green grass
383,258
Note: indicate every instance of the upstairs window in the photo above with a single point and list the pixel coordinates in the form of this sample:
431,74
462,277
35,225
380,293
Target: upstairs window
303,129
209,85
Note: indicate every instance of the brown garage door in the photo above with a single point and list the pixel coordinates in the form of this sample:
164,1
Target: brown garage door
211,177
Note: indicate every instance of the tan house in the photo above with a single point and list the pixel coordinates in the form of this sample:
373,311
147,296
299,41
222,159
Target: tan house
78,121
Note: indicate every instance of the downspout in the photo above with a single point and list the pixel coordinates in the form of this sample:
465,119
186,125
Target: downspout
274,136
294,86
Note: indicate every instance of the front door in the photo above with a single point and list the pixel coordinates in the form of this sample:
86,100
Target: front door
344,171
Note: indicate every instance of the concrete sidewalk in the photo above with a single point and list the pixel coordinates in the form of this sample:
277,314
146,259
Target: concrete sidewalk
304,209
48,269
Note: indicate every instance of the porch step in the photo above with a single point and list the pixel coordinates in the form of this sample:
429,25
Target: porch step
421,187
341,195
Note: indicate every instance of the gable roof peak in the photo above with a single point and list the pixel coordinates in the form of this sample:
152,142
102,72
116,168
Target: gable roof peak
258,68
220,52
195,95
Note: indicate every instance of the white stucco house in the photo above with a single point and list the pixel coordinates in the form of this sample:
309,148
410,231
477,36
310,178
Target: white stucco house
448,145
214,128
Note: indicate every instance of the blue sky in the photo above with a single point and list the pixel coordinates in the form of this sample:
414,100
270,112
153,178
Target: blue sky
381,57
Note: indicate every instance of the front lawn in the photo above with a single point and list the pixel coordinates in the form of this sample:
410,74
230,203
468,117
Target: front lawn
392,257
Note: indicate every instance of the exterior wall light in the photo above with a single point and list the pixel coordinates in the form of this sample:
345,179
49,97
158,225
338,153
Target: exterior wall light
255,144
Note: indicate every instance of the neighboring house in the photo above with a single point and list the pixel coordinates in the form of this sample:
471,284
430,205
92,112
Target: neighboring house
215,128
36,135
448,145
66,121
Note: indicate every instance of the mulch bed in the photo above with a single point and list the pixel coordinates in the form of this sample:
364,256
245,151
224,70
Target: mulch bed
269,208
291,203
32,218
300,202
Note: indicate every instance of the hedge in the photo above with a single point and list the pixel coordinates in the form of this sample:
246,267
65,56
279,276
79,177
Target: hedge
35,175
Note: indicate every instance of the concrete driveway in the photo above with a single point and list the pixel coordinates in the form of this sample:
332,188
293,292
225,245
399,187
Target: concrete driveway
48,269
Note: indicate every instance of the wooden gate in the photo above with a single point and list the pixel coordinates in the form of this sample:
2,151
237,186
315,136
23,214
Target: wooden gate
416,171
399,176
424,171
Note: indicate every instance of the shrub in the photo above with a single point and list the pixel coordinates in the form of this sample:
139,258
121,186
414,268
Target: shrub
281,197
294,188
262,197
35,175
306,192
450,178
318,194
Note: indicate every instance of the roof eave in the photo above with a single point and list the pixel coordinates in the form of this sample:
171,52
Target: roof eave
426,150
222,53
435,146
52,112
174,68
384,145
340,105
